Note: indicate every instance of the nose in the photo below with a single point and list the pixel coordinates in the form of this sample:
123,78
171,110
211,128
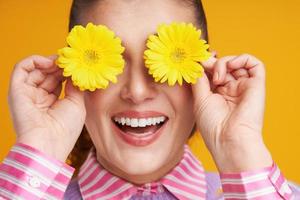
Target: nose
139,86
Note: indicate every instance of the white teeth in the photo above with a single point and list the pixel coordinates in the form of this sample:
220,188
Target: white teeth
134,122
142,122
123,121
127,122
149,121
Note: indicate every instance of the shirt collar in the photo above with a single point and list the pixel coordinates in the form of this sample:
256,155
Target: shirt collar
185,181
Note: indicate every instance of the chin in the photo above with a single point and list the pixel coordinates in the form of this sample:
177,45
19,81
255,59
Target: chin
143,165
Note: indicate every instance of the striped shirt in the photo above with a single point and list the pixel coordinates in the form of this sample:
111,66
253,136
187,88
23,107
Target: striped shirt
27,173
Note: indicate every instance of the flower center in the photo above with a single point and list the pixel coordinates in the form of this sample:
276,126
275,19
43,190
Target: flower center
178,55
91,56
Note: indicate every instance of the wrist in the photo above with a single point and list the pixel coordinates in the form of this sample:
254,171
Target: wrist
242,156
47,146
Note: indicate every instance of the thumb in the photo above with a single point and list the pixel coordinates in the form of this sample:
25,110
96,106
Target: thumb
208,65
73,93
201,89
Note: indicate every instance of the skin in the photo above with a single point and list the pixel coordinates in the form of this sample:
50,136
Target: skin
228,109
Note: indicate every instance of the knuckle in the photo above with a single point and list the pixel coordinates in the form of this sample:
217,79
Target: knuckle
246,55
34,56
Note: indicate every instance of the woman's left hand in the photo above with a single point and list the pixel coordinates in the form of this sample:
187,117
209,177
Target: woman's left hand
229,111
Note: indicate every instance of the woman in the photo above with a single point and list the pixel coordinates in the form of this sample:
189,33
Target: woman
227,106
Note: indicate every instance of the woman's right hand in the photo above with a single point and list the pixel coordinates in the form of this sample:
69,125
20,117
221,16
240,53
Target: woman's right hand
40,118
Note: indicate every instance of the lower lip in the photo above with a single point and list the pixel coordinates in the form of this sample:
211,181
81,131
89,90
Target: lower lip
139,140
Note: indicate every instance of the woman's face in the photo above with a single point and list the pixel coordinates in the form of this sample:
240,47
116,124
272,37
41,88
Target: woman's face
122,149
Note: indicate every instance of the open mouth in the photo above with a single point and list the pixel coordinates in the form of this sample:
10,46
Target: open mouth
139,131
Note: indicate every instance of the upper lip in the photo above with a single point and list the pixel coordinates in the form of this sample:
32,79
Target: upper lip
139,114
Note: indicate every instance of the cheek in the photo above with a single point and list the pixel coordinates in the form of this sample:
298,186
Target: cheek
182,101
182,98
97,102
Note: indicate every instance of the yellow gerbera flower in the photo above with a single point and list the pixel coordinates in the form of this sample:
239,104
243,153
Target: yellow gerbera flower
174,53
93,58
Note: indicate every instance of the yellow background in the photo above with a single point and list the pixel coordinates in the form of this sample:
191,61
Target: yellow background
269,29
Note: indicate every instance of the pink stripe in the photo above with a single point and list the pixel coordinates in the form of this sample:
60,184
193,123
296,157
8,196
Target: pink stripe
116,185
55,192
17,190
90,177
196,168
82,173
23,177
61,178
245,174
180,176
27,161
280,183
249,187
189,172
39,154
99,183
19,175
67,168
90,161
168,182
192,157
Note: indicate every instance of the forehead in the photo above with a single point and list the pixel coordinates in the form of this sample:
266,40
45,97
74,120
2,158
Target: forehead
136,19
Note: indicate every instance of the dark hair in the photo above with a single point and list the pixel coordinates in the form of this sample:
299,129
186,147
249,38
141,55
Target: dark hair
78,8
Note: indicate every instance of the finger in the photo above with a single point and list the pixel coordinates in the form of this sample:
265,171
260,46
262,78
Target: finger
254,66
240,73
220,69
230,89
209,64
201,89
214,53
53,57
24,67
52,81
73,93
57,91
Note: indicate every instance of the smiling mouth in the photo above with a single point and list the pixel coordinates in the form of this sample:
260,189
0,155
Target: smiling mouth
140,127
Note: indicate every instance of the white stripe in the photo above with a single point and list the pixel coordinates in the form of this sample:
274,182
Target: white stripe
183,193
285,189
193,171
275,176
94,181
88,173
49,165
183,173
252,194
193,158
25,186
31,172
40,160
246,180
9,195
87,162
116,192
103,187
178,181
196,165
21,184
66,172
